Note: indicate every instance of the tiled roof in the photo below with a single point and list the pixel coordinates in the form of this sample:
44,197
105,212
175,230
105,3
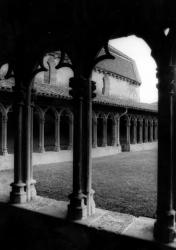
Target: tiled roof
122,65
55,91
58,92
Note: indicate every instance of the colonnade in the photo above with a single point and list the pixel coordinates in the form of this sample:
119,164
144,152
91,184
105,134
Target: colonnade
107,129
124,130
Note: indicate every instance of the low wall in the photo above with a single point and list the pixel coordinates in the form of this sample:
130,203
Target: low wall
6,162
143,146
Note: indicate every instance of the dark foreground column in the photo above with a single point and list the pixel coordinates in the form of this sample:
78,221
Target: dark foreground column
18,195
164,229
77,208
140,130
146,131
104,144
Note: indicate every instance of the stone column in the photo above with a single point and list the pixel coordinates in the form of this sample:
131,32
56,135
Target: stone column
127,135
57,132
33,182
94,141
4,134
18,194
104,144
151,131
155,130
117,120
146,131
134,132
164,228
77,208
70,132
140,131
41,132
114,133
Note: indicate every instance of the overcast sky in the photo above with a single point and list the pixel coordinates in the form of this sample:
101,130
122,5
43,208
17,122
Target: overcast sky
138,49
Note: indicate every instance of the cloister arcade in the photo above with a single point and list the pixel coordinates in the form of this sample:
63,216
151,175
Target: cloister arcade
53,129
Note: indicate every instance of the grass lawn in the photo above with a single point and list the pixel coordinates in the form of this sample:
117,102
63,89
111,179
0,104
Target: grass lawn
125,182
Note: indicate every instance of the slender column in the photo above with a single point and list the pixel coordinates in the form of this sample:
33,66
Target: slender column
18,195
57,133
156,130
94,143
41,133
77,208
134,132
89,86
104,144
4,134
146,131
70,132
140,131
118,131
114,133
164,229
127,146
33,182
151,131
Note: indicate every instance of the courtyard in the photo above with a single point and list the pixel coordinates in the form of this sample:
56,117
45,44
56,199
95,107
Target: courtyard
125,182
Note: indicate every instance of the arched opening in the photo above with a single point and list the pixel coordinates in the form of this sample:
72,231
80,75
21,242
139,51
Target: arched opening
49,133
65,120
100,120
110,127
10,132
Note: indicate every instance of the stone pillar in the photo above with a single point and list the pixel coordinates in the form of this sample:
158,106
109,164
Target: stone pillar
33,182
146,131
128,135
140,131
4,134
77,208
41,132
155,130
18,194
114,133
117,120
134,132
151,131
94,141
164,228
57,132
70,132
104,144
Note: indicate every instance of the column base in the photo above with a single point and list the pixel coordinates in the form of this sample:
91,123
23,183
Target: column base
56,148
90,203
41,150
33,190
164,228
18,195
70,147
77,209
94,146
125,147
104,145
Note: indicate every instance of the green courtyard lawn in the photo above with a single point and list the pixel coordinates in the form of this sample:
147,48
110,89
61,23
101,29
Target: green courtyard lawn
125,182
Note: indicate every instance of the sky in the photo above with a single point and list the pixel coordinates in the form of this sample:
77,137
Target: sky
137,49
